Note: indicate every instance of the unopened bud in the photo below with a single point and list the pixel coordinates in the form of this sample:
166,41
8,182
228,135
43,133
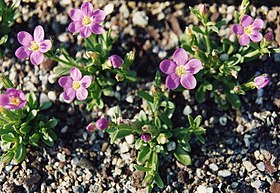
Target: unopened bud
146,137
268,36
203,9
91,127
146,127
161,139
119,77
195,48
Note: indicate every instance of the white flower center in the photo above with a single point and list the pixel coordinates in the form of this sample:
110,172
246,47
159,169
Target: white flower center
86,20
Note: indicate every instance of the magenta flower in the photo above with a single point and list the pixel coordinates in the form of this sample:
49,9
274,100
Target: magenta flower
86,20
75,85
12,99
102,124
248,30
146,137
261,81
33,47
180,70
91,127
268,36
116,61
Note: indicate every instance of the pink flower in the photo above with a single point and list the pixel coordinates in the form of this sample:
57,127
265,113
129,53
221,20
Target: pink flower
180,70
146,137
102,124
91,127
13,99
86,20
75,85
261,81
33,47
203,9
116,61
268,36
248,30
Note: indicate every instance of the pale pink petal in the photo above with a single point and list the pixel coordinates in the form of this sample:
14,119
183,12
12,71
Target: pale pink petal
85,81
36,58
188,81
65,82
180,56
24,38
246,20
82,94
98,16
257,24
69,94
45,46
244,40
238,29
172,81
39,34
75,74
256,36
23,52
87,9
167,66
75,26
193,66
85,31
96,29
76,14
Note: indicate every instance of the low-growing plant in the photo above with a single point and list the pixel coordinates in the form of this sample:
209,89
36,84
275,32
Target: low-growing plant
22,123
156,134
220,57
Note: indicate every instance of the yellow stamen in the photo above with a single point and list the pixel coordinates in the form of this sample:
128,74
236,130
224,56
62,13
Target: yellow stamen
76,85
86,20
180,70
34,46
14,100
248,30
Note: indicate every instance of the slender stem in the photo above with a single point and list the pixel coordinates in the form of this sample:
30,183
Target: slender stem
207,40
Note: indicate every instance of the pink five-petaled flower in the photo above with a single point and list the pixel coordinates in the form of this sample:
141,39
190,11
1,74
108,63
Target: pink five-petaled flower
248,30
102,123
180,70
75,85
33,47
261,81
12,99
116,61
86,20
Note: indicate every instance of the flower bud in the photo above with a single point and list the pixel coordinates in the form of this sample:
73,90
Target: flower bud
91,127
120,121
119,77
116,61
261,81
203,9
161,139
268,36
146,137
146,127
102,124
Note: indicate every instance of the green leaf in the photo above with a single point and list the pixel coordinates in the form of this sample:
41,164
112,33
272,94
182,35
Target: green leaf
158,79
234,100
24,129
145,96
141,168
20,153
45,105
113,136
34,139
123,132
32,100
144,154
52,123
4,39
159,181
138,144
166,120
7,158
8,137
197,29
182,156
200,94
197,120
191,121
143,116
31,115
201,139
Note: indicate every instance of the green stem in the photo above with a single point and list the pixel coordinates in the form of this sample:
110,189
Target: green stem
207,39
252,54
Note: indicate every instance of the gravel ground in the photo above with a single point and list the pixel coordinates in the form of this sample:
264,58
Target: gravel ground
242,150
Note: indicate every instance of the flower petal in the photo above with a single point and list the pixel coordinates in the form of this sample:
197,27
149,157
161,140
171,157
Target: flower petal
69,94
82,94
85,31
256,36
65,82
75,26
167,66
76,14
116,61
85,81
97,29
75,74
36,58
188,81
244,40
238,29
45,46
22,52
87,9
39,34
4,100
257,24
172,81
193,66
246,20
98,16
24,38
180,56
